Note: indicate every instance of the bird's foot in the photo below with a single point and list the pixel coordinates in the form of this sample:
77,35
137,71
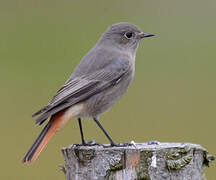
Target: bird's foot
118,145
89,143
94,143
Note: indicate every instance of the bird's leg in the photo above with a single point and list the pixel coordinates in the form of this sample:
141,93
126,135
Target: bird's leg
112,143
93,143
104,131
81,132
84,143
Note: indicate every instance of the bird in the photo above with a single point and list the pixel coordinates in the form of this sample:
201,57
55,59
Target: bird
100,79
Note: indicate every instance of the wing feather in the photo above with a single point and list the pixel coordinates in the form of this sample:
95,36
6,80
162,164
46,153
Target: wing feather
81,88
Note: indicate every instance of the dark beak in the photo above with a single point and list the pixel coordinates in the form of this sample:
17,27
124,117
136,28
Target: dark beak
144,35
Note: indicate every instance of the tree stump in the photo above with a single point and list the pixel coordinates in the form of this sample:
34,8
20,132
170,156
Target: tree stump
166,161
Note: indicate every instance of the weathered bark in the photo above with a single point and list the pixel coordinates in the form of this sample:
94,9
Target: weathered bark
167,161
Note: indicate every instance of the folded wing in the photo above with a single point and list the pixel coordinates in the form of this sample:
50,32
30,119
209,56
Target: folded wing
81,88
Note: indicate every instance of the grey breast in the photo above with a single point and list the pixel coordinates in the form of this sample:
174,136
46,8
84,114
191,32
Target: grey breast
112,60
103,101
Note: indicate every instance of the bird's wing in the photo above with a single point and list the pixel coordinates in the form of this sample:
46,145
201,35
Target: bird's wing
83,87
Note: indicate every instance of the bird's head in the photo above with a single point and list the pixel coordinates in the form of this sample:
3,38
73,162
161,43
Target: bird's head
123,35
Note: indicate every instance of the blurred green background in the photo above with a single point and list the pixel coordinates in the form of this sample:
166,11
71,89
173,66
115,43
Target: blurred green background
173,96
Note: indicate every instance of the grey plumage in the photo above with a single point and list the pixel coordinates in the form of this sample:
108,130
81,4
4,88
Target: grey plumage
100,79
102,76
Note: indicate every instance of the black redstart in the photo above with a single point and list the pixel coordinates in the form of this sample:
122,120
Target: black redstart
100,79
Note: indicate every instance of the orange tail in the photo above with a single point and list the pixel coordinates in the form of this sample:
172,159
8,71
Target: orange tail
46,134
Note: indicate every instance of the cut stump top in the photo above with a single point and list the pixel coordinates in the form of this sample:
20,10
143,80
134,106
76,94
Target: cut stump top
140,161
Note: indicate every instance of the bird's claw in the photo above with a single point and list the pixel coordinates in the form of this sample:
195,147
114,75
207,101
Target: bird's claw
118,145
89,143
94,143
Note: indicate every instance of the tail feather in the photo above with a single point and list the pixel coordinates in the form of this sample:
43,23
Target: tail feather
46,134
35,146
57,122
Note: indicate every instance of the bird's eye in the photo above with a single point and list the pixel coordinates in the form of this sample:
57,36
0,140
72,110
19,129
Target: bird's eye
128,35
